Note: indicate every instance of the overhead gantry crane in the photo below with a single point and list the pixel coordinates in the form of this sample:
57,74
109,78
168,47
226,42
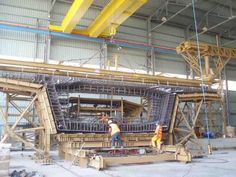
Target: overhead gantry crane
215,58
106,23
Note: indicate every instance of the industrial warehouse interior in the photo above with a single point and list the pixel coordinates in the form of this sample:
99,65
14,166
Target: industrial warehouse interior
117,88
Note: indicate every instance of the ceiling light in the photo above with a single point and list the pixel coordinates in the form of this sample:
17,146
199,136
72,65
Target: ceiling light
119,48
204,28
163,19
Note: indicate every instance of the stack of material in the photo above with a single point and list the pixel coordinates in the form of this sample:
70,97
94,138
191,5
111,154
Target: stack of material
4,159
24,173
230,131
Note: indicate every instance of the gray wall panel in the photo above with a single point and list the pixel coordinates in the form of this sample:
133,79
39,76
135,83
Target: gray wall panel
135,29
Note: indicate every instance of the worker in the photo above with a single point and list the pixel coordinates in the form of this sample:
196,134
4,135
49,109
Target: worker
104,117
115,134
156,139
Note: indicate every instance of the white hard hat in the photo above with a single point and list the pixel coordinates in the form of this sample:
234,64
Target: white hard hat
109,121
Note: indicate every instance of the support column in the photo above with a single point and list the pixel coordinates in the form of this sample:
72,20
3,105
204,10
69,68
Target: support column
122,108
207,68
227,96
111,105
153,61
78,105
6,114
103,55
150,61
47,46
116,62
211,116
36,41
223,118
224,109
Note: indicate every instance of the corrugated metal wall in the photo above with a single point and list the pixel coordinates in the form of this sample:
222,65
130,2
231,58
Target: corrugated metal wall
28,45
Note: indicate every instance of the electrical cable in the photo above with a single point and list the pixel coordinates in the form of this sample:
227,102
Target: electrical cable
77,175
201,72
219,161
188,171
211,158
109,174
67,169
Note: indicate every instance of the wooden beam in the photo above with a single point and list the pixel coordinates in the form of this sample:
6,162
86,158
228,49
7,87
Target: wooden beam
26,116
29,129
19,118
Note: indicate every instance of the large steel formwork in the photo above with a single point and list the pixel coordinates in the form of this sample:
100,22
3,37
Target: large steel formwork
160,98
157,98
60,86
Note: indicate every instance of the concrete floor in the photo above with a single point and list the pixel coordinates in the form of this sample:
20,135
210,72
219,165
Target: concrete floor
221,163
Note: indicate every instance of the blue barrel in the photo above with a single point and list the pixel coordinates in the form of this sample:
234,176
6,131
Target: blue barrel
208,134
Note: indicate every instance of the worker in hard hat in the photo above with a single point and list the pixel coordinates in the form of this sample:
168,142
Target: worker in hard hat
104,117
156,139
115,134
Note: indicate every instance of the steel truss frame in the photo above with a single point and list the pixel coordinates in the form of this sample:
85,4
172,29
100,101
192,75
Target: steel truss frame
215,58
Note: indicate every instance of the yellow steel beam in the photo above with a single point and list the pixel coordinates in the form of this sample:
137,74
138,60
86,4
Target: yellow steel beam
73,71
73,16
111,12
114,14
134,6
55,28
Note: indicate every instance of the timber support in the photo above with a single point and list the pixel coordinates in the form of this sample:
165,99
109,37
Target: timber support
42,127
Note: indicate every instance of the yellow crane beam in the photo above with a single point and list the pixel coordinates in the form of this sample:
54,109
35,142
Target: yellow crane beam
73,16
134,6
111,12
106,23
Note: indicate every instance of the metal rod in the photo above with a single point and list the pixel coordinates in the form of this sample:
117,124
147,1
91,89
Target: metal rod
172,16
213,27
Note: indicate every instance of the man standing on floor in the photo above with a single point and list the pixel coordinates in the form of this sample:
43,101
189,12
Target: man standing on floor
115,134
156,139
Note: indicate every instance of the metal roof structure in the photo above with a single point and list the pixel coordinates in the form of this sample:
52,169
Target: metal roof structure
213,16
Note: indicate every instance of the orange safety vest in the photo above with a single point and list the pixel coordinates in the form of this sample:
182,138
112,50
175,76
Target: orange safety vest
158,131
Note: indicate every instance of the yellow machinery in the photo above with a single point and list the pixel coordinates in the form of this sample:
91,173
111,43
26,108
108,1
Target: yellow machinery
218,56
106,23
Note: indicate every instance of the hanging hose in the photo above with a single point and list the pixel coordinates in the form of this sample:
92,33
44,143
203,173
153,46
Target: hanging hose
202,83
